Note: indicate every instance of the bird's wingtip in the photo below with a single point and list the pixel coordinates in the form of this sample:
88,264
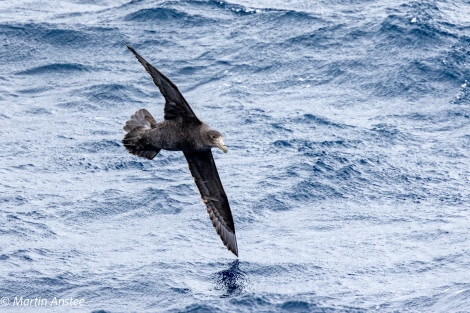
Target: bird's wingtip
130,48
232,245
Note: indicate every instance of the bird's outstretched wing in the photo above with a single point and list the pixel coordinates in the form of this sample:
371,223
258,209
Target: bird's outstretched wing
176,107
202,167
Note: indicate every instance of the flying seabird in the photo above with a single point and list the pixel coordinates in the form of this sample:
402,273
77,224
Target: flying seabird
182,130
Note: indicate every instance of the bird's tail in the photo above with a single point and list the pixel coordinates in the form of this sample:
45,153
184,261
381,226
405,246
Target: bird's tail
141,120
137,140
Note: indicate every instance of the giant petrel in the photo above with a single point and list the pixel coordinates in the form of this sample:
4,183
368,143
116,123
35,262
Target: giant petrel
182,130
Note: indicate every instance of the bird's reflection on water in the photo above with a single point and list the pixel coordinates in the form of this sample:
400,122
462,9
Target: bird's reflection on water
231,281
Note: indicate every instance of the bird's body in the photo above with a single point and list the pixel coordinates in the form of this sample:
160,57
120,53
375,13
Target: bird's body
171,135
181,130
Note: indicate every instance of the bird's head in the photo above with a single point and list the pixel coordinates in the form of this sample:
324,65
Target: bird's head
214,139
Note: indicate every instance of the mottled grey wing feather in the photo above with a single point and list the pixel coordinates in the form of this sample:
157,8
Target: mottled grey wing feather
176,107
204,171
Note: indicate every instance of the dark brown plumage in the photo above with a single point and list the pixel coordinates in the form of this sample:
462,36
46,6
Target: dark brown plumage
182,130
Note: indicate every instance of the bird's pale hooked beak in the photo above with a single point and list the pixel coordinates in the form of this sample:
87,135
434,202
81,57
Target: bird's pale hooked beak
221,145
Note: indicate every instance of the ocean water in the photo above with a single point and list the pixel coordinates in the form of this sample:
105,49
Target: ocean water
348,171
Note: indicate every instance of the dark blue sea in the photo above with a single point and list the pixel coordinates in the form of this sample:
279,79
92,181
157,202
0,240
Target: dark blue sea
348,171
